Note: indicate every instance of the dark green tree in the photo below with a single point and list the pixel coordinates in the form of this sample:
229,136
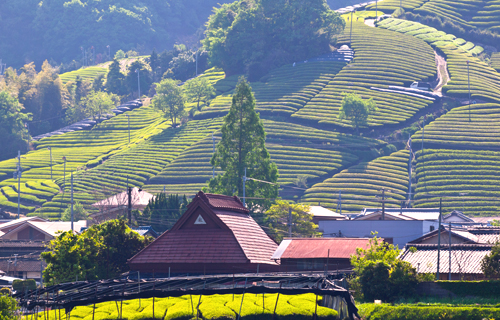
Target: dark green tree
254,36
154,64
131,80
115,79
100,252
12,130
490,265
8,308
243,147
163,211
98,83
79,212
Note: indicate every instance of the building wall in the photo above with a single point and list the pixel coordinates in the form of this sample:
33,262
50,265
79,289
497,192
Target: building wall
27,233
33,275
401,232
320,264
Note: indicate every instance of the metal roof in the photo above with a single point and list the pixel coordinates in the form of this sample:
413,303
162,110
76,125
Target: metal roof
315,248
465,258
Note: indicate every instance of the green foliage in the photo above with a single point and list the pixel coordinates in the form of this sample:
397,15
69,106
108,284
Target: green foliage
8,308
169,99
438,312
115,78
24,285
490,265
138,73
14,134
277,220
5,291
100,252
380,274
95,104
198,90
354,108
256,36
163,211
79,212
484,289
119,55
243,148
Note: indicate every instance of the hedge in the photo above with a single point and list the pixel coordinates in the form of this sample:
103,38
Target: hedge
485,288
433,312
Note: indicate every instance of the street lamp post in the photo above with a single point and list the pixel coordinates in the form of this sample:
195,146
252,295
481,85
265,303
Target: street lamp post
64,173
468,82
138,83
376,10
109,51
18,175
350,31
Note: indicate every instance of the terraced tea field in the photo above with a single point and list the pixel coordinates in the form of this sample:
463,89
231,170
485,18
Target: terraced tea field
361,185
382,58
86,74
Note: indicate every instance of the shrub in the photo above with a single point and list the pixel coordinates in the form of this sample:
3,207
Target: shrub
404,312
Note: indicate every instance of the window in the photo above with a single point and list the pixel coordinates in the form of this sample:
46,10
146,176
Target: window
431,228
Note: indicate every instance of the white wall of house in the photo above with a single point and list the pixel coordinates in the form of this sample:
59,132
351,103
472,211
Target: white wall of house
401,231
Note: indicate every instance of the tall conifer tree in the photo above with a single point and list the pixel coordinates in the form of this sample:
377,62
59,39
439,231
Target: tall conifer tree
243,146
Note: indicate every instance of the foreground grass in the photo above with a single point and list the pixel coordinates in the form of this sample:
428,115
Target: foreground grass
254,306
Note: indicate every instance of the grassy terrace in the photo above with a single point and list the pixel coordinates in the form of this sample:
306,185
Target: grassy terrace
213,307
466,179
284,90
362,184
495,61
87,74
297,150
381,58
391,5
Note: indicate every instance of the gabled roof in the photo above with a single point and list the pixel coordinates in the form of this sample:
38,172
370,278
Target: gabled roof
49,228
314,248
465,258
400,213
458,215
324,213
460,233
139,198
214,229
11,225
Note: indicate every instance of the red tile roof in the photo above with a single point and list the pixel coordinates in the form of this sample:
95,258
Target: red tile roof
229,235
313,248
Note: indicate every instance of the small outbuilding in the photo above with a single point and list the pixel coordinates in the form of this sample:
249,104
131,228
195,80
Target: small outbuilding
216,235
318,254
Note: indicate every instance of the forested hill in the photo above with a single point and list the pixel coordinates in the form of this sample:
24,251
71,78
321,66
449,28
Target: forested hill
57,30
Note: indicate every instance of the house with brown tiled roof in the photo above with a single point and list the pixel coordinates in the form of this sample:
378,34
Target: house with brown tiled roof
216,234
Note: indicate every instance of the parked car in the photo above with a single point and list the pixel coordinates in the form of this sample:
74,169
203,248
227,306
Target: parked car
420,85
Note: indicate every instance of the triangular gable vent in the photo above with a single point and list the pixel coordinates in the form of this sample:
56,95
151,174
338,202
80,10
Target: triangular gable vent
200,220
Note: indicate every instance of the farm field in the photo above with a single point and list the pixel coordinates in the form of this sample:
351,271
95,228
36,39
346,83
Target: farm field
361,185
382,58
86,74
253,306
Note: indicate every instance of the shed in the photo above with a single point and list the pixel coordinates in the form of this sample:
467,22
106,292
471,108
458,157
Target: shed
216,235
318,254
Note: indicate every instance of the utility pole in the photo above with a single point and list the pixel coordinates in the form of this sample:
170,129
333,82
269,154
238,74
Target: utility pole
18,174
423,133
109,51
350,31
439,239
196,62
468,82
376,10
138,83
28,128
383,204
213,143
339,202
244,181
64,173
72,216
449,251
409,171
129,206
50,150
128,118
290,221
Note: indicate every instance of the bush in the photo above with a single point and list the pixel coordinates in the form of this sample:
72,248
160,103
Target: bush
484,289
8,307
23,285
403,312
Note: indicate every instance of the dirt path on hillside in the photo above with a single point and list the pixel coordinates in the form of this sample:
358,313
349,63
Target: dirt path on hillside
370,22
442,71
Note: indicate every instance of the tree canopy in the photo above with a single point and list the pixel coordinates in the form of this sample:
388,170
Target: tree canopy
277,220
79,212
170,99
354,108
243,147
163,211
100,252
254,36
490,265
199,90
12,130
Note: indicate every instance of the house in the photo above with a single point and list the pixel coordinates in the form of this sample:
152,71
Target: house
395,225
146,231
460,235
216,234
318,254
321,213
463,261
117,204
24,267
35,228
